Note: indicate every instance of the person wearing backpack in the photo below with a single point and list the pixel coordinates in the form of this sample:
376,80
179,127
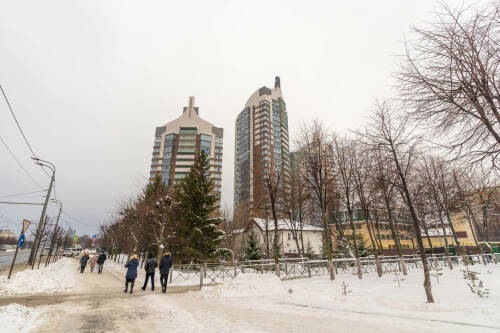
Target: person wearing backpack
150,268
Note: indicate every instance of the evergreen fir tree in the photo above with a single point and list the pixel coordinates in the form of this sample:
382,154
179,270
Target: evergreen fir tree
309,251
198,230
252,251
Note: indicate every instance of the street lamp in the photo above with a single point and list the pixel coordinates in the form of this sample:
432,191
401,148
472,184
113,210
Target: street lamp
42,217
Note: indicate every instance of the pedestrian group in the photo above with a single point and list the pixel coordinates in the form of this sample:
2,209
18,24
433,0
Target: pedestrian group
150,268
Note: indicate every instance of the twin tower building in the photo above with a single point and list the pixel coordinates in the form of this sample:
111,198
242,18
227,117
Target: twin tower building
261,144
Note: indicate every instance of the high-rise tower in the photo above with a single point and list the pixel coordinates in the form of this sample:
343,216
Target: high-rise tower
261,145
177,144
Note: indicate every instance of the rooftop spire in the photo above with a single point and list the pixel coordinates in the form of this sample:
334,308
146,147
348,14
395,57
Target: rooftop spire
277,83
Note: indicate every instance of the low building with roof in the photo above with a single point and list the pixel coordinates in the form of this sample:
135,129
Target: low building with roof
290,233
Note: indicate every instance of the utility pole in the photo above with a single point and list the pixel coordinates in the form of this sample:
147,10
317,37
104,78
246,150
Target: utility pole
38,243
43,248
54,235
44,210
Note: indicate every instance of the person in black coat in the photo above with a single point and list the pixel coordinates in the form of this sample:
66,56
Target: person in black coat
165,264
83,262
150,268
100,262
131,275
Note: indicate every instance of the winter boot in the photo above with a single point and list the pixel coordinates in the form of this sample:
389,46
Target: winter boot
126,287
163,289
143,288
131,287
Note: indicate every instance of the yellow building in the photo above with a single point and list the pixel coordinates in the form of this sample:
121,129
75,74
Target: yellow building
382,233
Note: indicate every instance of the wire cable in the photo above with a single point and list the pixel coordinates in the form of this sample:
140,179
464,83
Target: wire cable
20,194
76,220
19,163
19,126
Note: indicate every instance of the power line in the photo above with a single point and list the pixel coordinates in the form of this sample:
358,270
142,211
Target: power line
76,220
19,194
19,163
19,126
21,203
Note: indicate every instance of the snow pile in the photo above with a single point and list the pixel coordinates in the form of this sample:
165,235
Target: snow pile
56,277
247,285
18,318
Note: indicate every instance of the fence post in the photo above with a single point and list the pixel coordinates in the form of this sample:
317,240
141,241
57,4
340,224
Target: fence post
262,267
235,269
309,268
286,268
201,276
205,270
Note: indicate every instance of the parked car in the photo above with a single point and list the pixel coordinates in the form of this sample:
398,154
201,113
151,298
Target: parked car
76,252
68,253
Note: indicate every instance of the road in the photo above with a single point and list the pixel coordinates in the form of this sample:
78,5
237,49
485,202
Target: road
6,257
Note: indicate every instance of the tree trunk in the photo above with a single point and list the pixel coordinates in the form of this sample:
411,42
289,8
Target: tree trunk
328,250
427,280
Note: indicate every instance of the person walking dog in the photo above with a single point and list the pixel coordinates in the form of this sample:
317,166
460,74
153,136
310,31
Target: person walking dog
165,264
150,268
131,275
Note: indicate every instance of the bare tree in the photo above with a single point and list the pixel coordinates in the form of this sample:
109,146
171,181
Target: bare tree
343,157
383,178
396,139
316,170
449,78
361,170
272,180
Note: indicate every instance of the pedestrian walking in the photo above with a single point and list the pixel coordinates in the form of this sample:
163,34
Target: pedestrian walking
165,264
100,262
92,263
131,275
150,268
83,261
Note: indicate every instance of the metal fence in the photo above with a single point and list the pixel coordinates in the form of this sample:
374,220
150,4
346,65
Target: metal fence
215,273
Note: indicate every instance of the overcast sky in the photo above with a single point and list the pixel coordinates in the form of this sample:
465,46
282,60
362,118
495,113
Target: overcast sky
90,80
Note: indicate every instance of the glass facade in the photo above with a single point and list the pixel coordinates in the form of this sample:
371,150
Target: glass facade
168,147
242,157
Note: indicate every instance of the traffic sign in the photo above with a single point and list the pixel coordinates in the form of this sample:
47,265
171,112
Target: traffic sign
26,224
94,236
20,242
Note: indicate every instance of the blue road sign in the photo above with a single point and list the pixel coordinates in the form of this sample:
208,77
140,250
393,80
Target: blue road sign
20,242
94,236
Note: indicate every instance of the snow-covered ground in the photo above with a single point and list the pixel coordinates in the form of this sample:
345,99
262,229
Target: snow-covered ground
378,299
56,277
19,318
255,302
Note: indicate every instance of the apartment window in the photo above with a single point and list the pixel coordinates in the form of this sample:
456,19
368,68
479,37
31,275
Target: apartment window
289,236
186,150
205,137
188,130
